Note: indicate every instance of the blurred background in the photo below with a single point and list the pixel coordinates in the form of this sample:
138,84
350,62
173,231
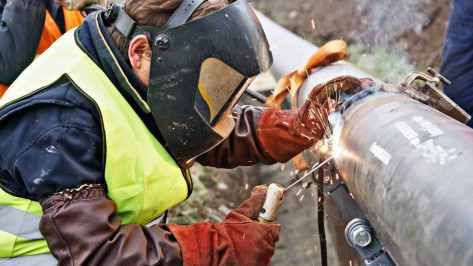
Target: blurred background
386,38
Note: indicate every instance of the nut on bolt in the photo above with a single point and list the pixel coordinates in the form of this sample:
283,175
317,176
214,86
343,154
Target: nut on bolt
358,233
361,236
162,42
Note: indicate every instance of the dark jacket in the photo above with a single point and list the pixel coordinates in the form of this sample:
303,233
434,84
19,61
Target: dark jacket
56,135
21,26
457,56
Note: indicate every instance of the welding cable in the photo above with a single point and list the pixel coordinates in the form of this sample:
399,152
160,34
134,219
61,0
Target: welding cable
321,212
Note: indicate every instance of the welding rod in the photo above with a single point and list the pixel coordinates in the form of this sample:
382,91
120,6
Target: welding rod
257,95
275,195
314,168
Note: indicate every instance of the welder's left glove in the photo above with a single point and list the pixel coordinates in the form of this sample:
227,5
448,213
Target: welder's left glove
285,133
238,240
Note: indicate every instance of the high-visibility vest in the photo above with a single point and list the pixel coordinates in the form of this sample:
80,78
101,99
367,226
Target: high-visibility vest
51,32
142,178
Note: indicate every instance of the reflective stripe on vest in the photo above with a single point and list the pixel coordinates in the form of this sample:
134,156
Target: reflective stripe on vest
142,178
37,260
19,227
28,228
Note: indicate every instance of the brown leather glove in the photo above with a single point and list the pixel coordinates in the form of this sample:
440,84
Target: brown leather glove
238,240
285,133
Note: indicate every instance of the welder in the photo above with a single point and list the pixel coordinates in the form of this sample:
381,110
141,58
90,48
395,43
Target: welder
28,28
99,132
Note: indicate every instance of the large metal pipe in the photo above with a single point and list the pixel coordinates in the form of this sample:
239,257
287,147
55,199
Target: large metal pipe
409,167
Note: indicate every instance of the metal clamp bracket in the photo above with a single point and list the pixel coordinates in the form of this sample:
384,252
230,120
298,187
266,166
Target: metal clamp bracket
431,94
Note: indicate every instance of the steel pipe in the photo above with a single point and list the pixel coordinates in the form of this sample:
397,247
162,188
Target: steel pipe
409,167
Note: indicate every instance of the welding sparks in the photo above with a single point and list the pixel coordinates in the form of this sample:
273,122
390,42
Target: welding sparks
246,187
313,24
298,192
324,148
301,198
351,263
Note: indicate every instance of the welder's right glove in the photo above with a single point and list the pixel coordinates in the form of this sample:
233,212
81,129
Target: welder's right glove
285,133
238,240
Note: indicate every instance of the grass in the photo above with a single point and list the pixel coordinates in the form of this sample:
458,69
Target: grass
388,66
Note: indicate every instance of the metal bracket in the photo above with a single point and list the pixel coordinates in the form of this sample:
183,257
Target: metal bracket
431,94
359,233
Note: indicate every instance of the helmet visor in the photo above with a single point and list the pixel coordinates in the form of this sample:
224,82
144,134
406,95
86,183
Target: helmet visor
218,88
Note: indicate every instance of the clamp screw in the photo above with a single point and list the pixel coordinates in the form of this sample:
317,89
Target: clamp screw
438,75
359,233
162,42
361,236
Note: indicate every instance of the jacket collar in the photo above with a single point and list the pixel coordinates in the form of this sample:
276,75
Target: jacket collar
94,39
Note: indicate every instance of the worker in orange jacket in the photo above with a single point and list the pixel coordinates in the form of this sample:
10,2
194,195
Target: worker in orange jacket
28,28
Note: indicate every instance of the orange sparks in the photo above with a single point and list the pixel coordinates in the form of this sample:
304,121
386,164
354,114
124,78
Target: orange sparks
283,166
246,187
320,199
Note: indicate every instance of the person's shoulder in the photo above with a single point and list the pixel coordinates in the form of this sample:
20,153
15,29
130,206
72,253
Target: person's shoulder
51,100
58,106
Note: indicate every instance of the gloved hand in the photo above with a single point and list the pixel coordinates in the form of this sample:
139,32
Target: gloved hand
285,133
79,4
238,240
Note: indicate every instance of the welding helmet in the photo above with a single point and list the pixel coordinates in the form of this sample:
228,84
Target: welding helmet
199,70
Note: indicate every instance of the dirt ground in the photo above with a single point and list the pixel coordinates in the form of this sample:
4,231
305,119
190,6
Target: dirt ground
411,30
416,27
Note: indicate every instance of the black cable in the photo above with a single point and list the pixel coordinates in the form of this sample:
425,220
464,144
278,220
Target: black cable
321,212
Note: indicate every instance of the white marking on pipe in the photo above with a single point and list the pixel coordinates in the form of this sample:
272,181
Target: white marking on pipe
428,126
380,153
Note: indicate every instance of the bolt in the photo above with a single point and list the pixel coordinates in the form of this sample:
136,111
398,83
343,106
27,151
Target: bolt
361,235
162,42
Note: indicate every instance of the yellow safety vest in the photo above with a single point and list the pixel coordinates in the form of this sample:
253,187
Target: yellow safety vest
142,178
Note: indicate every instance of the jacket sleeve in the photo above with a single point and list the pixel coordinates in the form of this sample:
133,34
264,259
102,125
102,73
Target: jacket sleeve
457,56
21,26
242,147
81,229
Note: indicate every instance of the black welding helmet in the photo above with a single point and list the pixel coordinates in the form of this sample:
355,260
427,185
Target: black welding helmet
199,70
